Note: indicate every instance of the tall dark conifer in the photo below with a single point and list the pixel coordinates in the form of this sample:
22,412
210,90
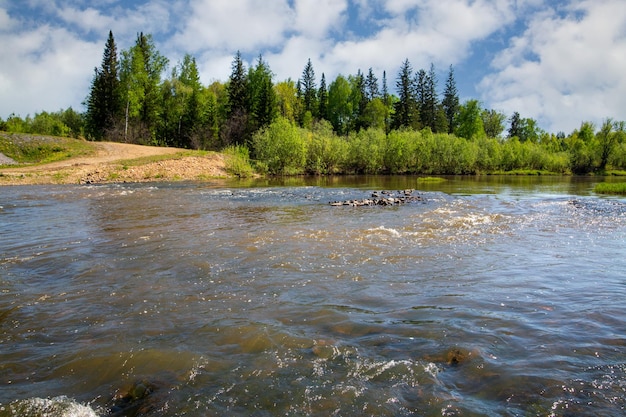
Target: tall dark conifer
322,96
371,83
263,97
236,130
450,101
309,89
406,110
104,104
429,101
238,91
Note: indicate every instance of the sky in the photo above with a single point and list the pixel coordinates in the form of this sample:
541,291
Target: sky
560,62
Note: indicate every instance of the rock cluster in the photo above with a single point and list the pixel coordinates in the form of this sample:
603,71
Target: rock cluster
383,198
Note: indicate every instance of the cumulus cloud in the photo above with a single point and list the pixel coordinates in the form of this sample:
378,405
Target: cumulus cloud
233,25
44,69
564,68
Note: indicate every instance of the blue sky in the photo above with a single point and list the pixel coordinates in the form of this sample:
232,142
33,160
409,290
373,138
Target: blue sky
559,62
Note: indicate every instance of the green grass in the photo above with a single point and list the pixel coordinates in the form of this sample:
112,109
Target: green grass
526,172
37,149
617,188
238,161
430,179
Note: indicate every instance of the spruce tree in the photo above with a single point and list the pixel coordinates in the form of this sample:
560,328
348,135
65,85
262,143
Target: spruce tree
104,103
322,95
142,67
262,95
450,101
237,127
238,91
406,110
309,90
371,83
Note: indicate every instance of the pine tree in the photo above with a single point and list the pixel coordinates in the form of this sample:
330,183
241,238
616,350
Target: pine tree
238,88
387,102
359,100
450,101
236,129
309,90
104,103
406,110
430,101
322,95
371,83
263,96
515,127
142,67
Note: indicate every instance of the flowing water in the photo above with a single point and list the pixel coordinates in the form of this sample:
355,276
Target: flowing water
491,297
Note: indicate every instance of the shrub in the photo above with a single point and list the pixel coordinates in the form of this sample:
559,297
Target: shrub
281,147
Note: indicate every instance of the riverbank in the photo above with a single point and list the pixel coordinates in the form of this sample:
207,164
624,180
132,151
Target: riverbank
110,162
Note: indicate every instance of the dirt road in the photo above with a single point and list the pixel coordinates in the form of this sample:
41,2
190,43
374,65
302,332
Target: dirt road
107,165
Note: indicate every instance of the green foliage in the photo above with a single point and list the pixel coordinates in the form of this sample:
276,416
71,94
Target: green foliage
406,110
450,101
469,121
611,188
238,161
493,123
340,106
28,148
366,151
281,147
309,90
353,126
326,151
105,103
140,78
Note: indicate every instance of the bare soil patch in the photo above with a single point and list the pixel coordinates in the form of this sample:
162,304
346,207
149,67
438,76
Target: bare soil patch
113,162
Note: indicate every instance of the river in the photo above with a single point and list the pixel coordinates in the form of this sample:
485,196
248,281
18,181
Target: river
490,296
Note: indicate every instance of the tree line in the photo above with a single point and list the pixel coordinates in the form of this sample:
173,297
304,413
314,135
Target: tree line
352,124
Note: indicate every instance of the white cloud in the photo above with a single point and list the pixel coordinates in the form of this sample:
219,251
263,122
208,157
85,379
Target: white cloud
316,18
564,70
232,25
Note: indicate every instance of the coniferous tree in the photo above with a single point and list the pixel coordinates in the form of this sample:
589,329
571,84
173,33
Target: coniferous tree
359,100
406,110
387,102
263,97
236,129
191,124
238,91
322,95
450,101
309,89
142,67
371,83
515,126
104,103
429,100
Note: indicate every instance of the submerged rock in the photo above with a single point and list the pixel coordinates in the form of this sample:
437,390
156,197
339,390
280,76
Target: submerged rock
141,398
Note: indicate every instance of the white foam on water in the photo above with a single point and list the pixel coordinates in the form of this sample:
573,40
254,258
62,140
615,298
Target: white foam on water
61,406
386,230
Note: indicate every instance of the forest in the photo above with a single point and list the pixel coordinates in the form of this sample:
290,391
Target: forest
352,124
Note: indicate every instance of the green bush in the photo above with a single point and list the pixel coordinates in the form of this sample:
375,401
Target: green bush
281,147
238,161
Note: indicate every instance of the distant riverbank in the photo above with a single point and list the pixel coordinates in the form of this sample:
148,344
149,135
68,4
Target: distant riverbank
104,162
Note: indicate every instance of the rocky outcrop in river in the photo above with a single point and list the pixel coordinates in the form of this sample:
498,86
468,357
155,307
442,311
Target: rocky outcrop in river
383,198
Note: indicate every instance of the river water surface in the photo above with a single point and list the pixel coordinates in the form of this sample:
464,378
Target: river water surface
491,297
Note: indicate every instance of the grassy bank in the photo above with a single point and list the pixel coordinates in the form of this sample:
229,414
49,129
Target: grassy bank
613,188
36,149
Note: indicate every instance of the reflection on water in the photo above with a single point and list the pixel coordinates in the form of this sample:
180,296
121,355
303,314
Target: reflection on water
495,297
